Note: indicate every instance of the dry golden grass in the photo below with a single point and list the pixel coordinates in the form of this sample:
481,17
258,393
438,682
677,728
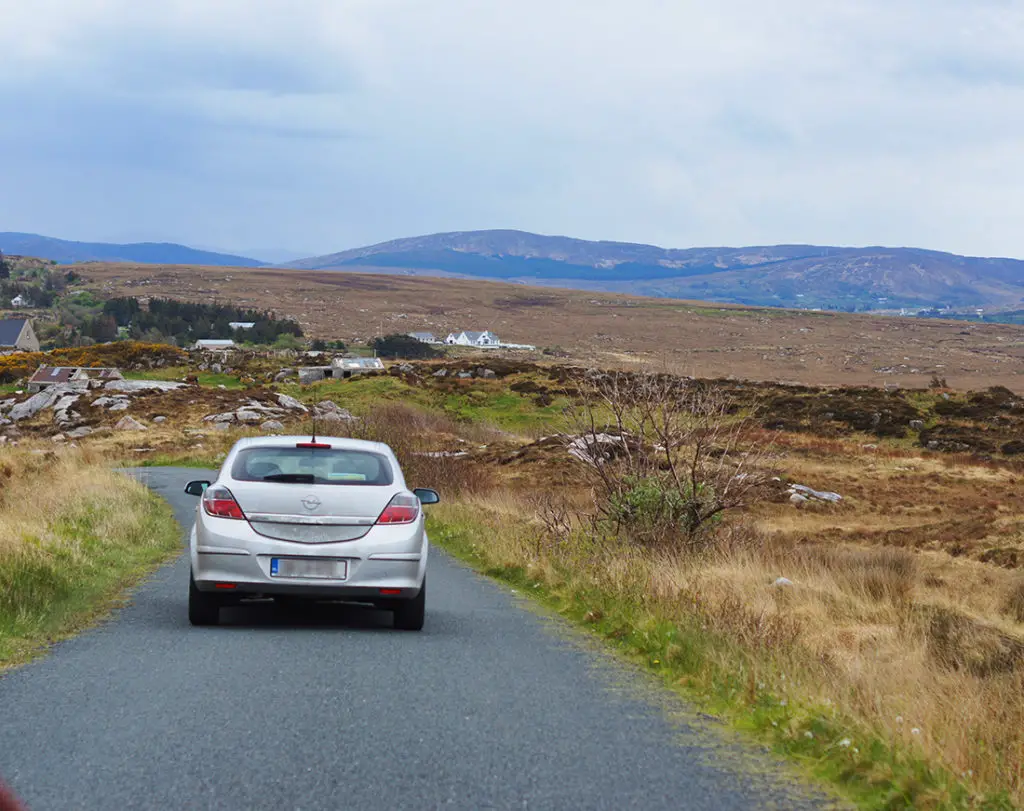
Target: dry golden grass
889,617
73,533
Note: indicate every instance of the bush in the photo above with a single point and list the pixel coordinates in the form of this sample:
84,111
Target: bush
654,505
666,456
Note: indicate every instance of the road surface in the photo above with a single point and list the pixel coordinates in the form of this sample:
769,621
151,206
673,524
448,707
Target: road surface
491,707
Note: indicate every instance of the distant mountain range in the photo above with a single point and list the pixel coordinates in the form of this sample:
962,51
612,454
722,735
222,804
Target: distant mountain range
781,275
807,276
159,253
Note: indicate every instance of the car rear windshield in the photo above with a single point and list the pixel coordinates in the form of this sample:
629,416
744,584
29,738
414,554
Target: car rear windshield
311,466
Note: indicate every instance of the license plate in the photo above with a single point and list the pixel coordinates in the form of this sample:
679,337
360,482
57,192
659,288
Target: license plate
313,568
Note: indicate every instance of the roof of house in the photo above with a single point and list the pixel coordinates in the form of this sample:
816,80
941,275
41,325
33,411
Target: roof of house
359,363
421,335
242,324
10,330
214,343
473,336
54,374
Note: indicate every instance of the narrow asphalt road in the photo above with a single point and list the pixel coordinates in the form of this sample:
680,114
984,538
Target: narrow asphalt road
491,706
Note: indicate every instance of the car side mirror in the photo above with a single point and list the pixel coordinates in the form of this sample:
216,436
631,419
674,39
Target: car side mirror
196,488
426,496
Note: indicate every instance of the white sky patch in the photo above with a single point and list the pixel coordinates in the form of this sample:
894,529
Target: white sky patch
328,124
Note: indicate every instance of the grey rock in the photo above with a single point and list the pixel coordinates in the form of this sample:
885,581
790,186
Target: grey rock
160,419
248,415
272,425
441,373
465,375
783,582
488,374
36,403
917,425
819,495
227,416
283,375
222,426
216,368
58,438
127,423
78,433
797,500
290,403
142,385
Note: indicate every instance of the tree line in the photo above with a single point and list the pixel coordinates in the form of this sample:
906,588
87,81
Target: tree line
181,322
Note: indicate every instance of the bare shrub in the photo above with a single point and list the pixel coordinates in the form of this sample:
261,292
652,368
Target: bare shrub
1014,603
667,456
412,434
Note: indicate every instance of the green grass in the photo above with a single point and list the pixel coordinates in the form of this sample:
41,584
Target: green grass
480,401
178,373
725,679
60,579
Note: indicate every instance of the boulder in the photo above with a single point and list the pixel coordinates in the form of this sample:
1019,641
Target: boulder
290,403
227,416
283,375
782,582
127,423
78,433
159,420
58,438
222,426
441,373
464,375
142,385
36,403
330,411
816,495
797,500
272,425
917,425
248,415
487,374
119,400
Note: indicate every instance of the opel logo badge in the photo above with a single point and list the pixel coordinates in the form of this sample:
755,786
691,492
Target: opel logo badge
311,503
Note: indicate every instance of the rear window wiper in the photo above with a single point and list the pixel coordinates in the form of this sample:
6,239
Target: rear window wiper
298,478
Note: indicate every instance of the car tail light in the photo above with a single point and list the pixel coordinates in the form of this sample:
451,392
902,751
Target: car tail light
402,509
218,502
314,444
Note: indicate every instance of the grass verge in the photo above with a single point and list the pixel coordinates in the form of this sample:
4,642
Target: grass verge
742,683
73,535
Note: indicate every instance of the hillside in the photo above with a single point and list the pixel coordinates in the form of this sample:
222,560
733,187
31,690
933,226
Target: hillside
66,252
605,329
805,276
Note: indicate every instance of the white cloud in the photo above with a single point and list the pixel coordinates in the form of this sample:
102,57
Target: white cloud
332,123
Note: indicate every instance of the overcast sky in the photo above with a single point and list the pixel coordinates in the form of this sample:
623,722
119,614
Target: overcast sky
320,125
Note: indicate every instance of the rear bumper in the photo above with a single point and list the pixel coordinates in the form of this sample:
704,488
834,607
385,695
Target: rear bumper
245,564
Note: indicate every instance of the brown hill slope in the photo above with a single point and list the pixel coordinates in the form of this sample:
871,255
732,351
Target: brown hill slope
604,329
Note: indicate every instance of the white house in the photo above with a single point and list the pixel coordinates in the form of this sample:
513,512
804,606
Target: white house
424,337
20,301
210,343
242,324
483,339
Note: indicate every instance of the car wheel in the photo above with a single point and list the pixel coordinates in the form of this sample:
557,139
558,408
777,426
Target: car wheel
409,614
203,607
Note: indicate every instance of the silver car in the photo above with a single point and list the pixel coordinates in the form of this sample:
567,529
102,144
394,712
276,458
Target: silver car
322,519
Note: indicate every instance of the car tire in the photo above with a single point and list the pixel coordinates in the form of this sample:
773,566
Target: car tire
409,614
203,607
